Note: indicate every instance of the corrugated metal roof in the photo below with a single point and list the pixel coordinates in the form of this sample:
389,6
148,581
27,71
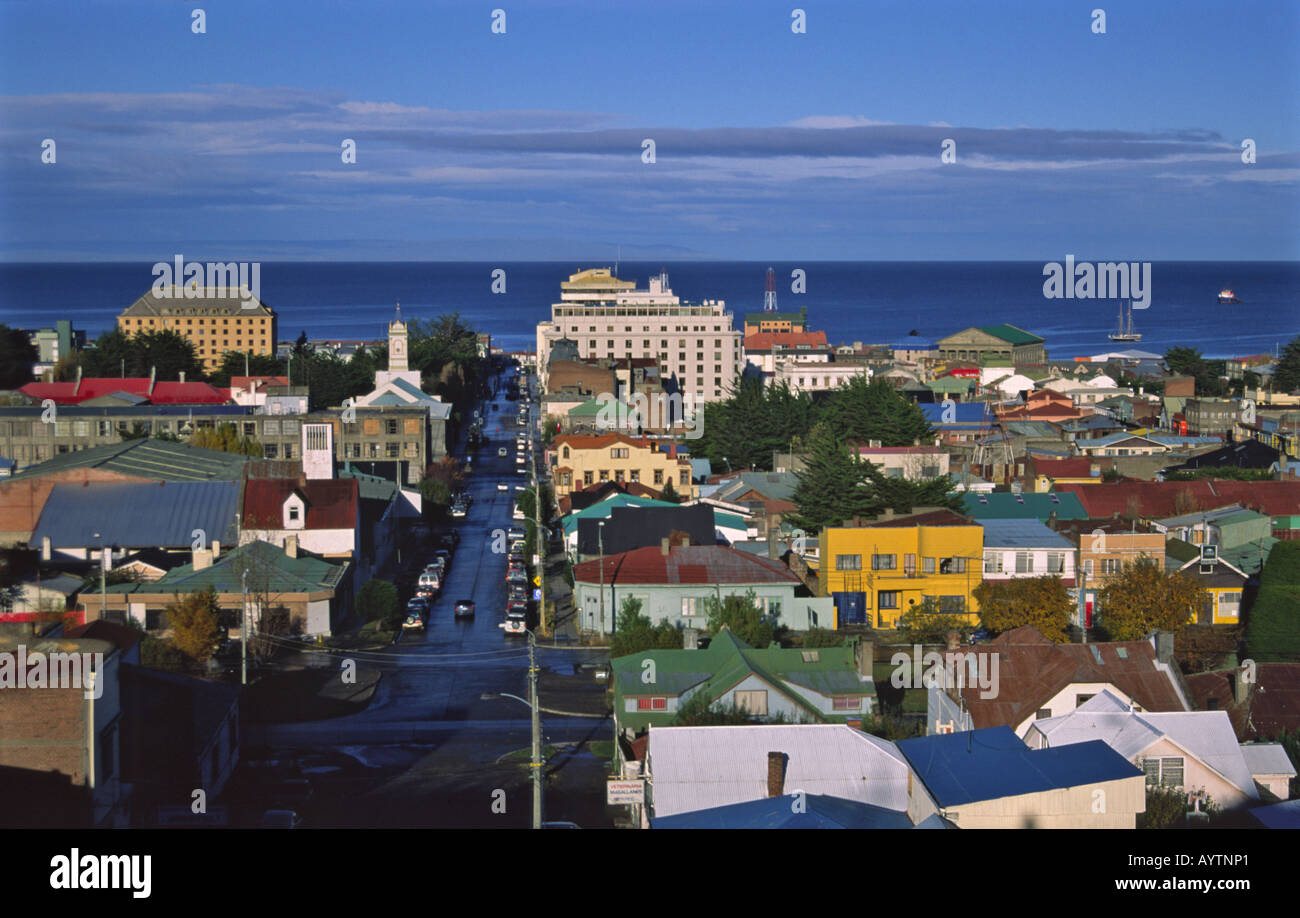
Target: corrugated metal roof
696,768
160,460
139,514
987,764
1022,534
814,811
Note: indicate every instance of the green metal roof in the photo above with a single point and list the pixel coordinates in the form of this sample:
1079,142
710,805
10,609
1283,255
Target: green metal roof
727,661
1011,334
159,460
273,570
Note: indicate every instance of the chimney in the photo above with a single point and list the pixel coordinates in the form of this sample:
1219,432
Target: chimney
1165,646
216,549
1240,687
888,514
202,558
773,551
776,774
686,541
691,639
45,548
291,546
182,376
864,655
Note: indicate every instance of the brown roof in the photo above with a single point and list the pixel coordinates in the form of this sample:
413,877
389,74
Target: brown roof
331,502
1275,701
1032,669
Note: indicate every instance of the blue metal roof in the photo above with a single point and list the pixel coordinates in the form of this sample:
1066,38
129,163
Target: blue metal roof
1020,533
161,514
819,812
963,413
987,764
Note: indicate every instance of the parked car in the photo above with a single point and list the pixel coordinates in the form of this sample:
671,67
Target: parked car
430,582
502,452
503,486
449,539
518,592
516,532
459,511
517,576
281,819
443,555
516,623
517,513
464,607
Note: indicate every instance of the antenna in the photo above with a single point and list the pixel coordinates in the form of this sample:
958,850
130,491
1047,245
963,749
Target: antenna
769,297
617,259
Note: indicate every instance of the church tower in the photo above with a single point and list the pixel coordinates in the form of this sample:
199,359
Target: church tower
399,358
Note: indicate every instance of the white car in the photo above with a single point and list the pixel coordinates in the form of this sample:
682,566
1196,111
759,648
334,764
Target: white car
501,452
502,486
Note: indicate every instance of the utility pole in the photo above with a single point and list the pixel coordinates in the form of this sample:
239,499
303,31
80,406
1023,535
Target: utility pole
103,582
543,549
537,732
243,636
600,541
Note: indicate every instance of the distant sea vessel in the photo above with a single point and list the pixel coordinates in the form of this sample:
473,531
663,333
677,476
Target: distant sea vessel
1125,334
1227,296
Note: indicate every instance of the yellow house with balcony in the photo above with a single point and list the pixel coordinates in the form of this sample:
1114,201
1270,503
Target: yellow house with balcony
879,570
581,461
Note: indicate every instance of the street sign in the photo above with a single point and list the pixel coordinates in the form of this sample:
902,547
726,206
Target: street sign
537,581
537,595
624,792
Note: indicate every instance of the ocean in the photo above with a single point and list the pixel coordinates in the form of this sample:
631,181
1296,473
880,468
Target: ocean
871,302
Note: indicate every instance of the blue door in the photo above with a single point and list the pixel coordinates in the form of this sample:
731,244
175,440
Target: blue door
850,608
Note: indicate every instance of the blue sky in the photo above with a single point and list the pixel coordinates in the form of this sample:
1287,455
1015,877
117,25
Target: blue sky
768,144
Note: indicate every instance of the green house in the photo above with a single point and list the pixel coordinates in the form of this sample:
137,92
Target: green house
822,685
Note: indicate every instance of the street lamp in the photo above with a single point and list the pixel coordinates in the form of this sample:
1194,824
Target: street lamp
535,766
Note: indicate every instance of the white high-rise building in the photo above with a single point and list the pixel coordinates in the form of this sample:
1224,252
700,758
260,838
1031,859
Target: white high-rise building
695,344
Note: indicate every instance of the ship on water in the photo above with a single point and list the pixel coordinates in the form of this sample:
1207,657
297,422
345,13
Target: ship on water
1123,333
1227,296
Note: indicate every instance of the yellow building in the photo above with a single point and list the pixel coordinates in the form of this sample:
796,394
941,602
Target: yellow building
214,324
585,461
878,571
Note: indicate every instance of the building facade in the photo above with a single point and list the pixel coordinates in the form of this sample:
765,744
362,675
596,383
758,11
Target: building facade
213,324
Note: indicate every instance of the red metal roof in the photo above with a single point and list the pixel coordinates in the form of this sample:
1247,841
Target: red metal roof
257,383
1159,499
331,502
1064,468
1032,670
164,393
763,341
693,564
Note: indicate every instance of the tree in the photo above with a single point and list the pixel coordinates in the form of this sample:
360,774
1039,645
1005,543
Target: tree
742,617
1144,598
1188,361
702,711
925,624
1166,808
669,493
1286,378
225,437
635,633
17,355
833,485
1042,602
866,411
233,363
195,622
377,601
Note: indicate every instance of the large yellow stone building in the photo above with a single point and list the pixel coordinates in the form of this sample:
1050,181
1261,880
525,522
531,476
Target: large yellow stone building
585,461
214,324
881,569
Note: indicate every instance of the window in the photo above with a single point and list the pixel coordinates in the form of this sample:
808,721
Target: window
1043,714
566,452
636,474
1111,565
952,566
618,453
652,704
887,599
1024,562
391,449
685,476
909,565
993,562
846,703
270,451
604,474
884,562
848,562
752,702
390,427
954,604
1166,771
927,565
1056,562
587,477
659,476
1082,699
689,604
618,475
295,513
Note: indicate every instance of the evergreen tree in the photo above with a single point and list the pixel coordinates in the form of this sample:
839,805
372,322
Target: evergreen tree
866,411
1286,378
833,486
669,493
17,354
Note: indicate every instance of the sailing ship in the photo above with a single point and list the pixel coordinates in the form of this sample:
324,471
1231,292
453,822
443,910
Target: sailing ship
1125,334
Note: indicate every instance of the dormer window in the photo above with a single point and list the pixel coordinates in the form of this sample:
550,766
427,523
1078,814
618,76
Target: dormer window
295,512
